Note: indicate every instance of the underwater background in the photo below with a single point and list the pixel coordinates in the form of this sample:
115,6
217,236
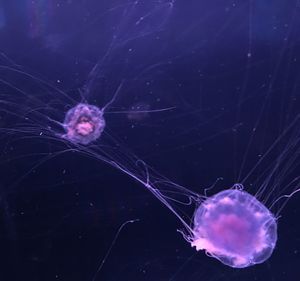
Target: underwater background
209,87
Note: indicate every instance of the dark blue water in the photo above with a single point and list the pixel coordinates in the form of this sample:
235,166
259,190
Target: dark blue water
227,75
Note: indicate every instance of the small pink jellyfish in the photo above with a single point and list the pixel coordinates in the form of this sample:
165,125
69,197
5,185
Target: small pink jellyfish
84,123
234,227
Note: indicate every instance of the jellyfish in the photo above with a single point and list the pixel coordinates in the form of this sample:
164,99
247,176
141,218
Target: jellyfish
234,227
84,123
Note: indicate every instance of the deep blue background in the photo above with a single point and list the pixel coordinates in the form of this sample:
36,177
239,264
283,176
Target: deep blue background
226,67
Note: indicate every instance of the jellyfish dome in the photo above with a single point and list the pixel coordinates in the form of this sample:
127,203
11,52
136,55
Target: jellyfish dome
235,228
84,123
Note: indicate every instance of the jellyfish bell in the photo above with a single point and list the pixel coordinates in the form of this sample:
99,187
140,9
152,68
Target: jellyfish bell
84,123
235,228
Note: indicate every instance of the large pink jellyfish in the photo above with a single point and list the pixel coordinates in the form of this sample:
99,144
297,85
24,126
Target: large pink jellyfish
234,227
